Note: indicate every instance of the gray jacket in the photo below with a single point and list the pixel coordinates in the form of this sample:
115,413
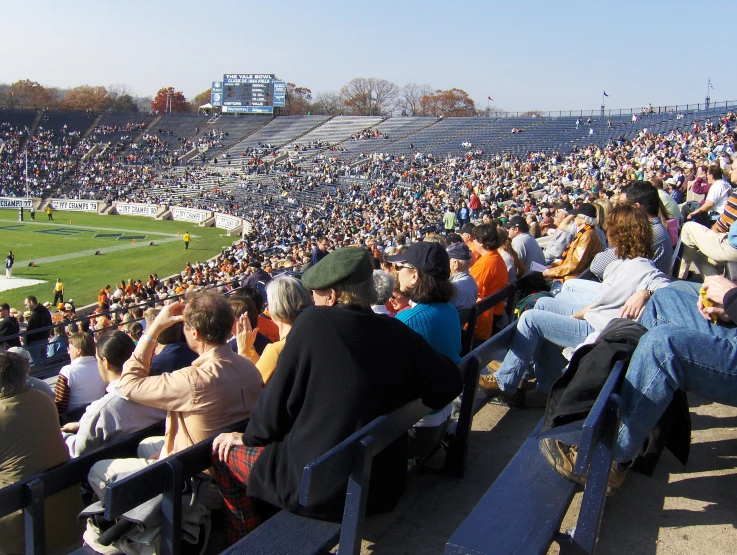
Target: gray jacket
109,418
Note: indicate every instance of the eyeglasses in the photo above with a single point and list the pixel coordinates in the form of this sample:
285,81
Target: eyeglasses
403,266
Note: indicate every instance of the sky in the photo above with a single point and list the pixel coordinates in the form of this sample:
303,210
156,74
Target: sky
536,55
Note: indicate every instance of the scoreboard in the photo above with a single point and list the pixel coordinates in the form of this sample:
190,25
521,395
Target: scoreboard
248,93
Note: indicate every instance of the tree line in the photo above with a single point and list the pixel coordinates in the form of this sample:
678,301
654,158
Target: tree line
361,96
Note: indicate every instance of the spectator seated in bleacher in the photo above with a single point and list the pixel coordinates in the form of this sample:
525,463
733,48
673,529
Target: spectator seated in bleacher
558,323
384,285
689,346
79,382
245,305
310,406
581,250
423,271
466,289
716,198
523,243
218,390
31,443
709,247
31,382
490,273
112,416
643,194
287,298
172,352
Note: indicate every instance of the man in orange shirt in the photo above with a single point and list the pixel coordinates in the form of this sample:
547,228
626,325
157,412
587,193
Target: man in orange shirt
490,274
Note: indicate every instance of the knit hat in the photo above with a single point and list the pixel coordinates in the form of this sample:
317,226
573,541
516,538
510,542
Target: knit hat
347,265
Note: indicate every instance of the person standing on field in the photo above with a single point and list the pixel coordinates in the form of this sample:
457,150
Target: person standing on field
50,212
9,261
58,292
186,240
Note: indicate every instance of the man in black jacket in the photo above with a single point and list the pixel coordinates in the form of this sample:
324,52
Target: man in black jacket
8,326
36,343
342,367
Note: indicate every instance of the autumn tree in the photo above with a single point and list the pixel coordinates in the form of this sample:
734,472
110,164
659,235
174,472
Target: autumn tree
299,99
532,114
85,97
450,103
30,94
369,96
203,98
328,104
178,101
409,101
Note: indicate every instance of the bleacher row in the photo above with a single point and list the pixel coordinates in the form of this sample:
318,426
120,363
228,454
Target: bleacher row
529,524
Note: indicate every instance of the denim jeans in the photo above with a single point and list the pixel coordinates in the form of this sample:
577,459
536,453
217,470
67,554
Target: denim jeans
539,337
682,350
37,351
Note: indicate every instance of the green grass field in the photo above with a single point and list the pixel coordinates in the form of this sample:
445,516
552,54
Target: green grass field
66,250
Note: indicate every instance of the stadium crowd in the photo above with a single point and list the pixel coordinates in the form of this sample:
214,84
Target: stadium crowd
418,240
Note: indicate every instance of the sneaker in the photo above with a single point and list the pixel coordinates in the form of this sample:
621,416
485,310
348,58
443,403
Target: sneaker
562,459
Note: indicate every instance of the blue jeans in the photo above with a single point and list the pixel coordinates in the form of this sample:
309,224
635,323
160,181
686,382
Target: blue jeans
539,337
682,350
37,351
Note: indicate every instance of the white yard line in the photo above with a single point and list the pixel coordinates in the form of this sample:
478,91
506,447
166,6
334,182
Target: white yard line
91,252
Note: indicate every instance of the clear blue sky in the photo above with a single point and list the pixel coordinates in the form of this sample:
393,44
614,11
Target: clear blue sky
526,55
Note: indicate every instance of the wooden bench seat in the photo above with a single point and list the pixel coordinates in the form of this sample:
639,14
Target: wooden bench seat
522,511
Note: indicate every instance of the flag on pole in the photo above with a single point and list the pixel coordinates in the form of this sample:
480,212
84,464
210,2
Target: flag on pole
491,99
605,94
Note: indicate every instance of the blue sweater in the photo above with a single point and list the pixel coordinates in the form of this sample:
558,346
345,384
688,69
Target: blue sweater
439,324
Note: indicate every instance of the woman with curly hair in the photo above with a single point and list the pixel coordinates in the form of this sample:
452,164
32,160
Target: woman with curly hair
552,325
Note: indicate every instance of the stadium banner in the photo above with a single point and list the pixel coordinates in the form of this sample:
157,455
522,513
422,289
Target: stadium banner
280,93
223,221
189,214
216,94
10,202
136,209
75,205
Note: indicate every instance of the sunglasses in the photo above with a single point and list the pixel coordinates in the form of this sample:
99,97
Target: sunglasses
401,266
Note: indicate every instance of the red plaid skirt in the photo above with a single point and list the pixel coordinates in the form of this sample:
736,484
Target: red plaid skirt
232,479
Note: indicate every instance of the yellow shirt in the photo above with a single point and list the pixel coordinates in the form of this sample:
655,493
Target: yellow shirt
59,286
186,237
267,363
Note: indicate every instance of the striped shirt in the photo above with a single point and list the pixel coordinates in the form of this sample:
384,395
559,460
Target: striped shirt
466,290
728,217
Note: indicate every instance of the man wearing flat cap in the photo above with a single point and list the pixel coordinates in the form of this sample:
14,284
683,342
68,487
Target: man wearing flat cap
342,366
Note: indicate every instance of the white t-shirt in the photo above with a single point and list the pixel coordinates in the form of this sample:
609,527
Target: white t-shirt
85,383
718,194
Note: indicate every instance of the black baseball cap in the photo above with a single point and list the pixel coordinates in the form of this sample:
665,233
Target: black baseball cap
427,256
518,221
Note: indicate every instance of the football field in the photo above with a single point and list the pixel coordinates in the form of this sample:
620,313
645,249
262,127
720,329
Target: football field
65,248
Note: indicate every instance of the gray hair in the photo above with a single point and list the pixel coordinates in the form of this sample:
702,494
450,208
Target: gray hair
287,296
13,369
588,220
384,285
